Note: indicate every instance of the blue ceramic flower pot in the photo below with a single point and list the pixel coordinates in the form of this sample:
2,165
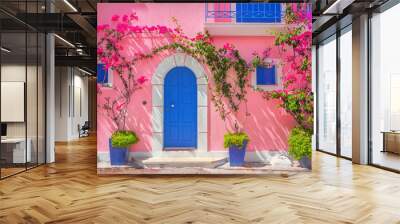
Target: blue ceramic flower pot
305,162
237,154
117,155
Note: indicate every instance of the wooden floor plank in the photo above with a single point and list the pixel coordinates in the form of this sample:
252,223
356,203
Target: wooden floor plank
70,191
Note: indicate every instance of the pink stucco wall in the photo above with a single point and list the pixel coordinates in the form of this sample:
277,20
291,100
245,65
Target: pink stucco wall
267,126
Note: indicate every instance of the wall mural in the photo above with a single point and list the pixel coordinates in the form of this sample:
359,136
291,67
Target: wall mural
204,88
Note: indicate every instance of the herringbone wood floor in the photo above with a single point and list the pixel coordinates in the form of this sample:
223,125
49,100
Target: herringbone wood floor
69,191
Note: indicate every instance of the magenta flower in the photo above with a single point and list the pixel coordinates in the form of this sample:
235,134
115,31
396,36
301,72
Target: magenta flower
142,79
106,66
125,18
199,36
293,66
115,58
228,47
119,106
162,29
135,29
99,50
122,27
102,27
104,60
133,16
115,18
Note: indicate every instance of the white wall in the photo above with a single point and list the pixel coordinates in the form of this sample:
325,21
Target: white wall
80,112
61,103
12,73
71,94
17,73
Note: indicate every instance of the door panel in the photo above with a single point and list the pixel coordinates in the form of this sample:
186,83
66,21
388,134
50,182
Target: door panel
180,109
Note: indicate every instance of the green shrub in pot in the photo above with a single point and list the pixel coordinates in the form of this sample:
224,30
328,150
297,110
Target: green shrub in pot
235,139
237,144
123,139
300,145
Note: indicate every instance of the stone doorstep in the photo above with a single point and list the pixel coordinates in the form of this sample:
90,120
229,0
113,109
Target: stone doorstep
203,162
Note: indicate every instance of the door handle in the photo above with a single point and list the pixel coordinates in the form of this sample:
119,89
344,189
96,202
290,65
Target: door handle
172,105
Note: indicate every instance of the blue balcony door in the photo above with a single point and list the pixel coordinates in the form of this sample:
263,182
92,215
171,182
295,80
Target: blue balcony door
180,109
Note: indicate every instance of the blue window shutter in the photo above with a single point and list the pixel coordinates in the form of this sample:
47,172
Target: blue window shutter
266,75
102,74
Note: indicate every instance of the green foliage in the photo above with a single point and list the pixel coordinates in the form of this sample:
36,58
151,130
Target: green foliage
300,143
257,61
305,64
287,37
233,92
236,139
290,17
123,139
298,103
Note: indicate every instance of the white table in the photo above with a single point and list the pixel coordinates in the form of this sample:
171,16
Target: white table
19,155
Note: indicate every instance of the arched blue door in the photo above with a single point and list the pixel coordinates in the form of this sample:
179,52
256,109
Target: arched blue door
180,109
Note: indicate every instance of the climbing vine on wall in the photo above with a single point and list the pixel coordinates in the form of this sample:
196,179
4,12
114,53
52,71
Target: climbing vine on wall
109,53
227,92
296,96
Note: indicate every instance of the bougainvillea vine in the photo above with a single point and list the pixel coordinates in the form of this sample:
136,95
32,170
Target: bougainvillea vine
227,93
296,96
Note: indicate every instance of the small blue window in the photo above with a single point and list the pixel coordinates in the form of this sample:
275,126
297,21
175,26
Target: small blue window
266,75
102,74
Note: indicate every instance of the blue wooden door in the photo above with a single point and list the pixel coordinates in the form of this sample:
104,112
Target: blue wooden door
180,109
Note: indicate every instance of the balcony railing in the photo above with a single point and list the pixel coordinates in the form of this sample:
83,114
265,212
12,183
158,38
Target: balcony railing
243,12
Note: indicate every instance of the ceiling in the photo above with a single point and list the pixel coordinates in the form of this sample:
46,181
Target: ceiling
331,15
72,20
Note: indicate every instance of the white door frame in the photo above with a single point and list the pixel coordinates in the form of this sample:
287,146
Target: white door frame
178,60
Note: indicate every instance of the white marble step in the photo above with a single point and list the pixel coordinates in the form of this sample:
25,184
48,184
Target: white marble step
204,162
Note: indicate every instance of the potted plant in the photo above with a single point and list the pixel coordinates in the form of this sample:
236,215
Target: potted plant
116,106
300,146
120,142
228,94
237,143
